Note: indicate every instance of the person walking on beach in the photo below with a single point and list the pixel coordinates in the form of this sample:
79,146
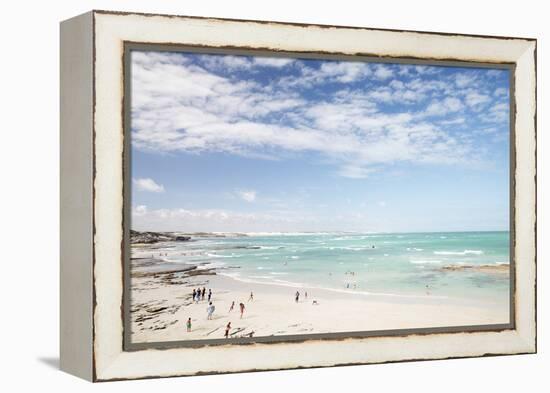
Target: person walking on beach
241,305
251,297
203,292
297,296
198,296
189,324
210,310
209,294
194,294
232,306
227,329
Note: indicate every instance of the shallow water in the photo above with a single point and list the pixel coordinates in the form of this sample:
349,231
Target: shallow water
403,264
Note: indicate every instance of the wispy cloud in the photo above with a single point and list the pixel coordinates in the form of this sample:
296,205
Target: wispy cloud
475,99
247,195
272,61
180,219
383,72
148,184
199,105
355,172
444,106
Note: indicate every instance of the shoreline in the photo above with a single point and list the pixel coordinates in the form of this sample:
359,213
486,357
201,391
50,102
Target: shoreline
161,305
497,269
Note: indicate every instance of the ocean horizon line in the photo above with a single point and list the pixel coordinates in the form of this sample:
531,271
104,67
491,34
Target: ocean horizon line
305,233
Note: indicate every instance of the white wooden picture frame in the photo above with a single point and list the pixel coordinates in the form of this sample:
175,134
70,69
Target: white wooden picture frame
93,181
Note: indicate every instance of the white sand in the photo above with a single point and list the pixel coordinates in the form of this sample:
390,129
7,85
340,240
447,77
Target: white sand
274,311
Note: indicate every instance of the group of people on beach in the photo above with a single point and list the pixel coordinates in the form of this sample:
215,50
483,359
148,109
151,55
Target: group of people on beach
241,307
200,294
297,296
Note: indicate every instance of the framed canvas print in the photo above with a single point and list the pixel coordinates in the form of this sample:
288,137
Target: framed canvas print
246,195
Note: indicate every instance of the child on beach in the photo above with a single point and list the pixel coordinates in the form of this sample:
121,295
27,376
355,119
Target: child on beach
241,305
189,325
251,297
210,310
232,306
227,329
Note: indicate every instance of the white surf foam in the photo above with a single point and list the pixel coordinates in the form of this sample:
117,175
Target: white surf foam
465,252
424,262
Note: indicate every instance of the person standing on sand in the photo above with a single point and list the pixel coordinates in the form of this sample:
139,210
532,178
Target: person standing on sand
297,296
227,329
210,310
209,294
241,305
189,324
251,297
203,292
194,294
305,295
232,306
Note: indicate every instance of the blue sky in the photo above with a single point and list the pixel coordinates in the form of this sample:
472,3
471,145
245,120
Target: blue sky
260,144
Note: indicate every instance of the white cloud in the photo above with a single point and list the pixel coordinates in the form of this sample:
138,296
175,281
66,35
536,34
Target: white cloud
272,61
495,73
498,113
456,120
188,220
139,210
383,72
465,79
148,184
501,92
247,195
179,105
355,172
445,106
333,71
397,84
474,98
226,62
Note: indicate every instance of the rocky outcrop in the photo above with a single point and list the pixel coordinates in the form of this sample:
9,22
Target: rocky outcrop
137,237
496,268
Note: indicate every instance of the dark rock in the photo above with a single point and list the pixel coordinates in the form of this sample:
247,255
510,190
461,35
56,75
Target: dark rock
137,237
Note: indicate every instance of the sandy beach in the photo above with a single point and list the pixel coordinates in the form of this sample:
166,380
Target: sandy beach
162,303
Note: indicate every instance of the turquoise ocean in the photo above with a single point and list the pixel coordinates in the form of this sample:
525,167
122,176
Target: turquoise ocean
398,264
